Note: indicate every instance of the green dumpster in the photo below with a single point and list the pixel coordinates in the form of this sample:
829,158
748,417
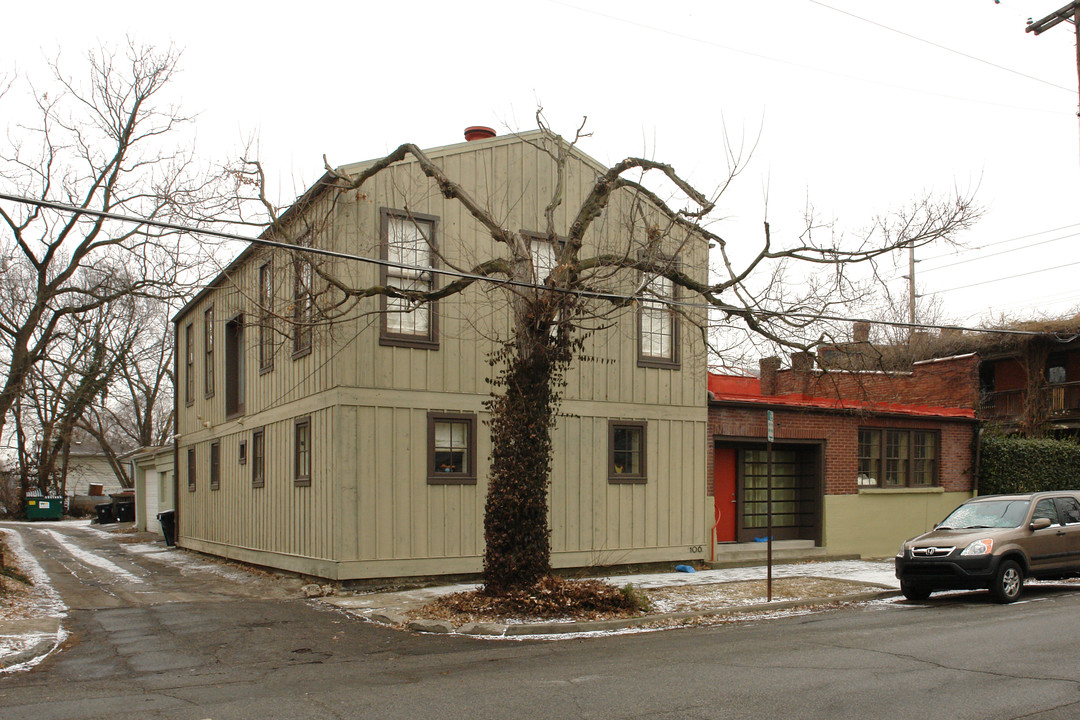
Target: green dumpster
44,508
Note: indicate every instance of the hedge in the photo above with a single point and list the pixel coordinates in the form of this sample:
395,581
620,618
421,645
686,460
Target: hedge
1021,465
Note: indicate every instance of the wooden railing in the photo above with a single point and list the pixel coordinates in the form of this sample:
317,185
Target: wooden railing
1060,401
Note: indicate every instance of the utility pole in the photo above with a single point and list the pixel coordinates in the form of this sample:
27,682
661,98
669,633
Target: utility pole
910,277
1069,13
911,285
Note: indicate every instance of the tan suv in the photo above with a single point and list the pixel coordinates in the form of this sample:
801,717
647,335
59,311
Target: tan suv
995,542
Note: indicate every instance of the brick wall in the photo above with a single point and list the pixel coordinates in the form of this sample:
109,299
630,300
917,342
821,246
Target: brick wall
839,432
951,382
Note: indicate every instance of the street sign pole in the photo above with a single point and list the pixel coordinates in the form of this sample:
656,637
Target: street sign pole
768,504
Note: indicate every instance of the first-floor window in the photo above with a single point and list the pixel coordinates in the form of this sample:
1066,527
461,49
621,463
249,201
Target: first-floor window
215,465
302,452
191,468
626,451
451,448
258,458
897,458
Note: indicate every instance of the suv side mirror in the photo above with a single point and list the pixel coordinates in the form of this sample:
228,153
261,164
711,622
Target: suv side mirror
1040,524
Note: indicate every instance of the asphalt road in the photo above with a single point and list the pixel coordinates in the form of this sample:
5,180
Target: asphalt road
176,641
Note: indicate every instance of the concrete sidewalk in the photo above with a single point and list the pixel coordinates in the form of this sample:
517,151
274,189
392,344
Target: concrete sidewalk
874,580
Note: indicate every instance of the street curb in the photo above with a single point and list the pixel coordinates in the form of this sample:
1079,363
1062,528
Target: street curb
43,646
589,626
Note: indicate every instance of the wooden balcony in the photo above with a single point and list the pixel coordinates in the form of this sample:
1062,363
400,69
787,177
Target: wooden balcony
1060,401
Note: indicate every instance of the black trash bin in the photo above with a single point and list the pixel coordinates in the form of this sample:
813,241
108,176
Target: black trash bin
105,513
125,511
168,526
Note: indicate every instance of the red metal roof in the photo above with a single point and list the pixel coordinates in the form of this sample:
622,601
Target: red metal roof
733,388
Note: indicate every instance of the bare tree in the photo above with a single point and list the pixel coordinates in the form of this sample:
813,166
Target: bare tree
108,144
137,410
778,292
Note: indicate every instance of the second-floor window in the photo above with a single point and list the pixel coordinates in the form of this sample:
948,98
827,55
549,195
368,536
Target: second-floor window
303,299
266,314
189,364
208,344
408,241
234,366
658,335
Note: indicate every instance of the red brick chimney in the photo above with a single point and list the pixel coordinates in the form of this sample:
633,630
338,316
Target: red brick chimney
802,363
768,368
860,332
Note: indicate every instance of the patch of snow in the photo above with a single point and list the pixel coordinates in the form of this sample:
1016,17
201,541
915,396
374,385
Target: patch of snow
46,603
872,571
92,559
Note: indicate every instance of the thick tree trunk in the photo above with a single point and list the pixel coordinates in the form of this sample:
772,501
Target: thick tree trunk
516,533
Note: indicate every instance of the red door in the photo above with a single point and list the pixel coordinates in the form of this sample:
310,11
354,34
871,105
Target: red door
724,492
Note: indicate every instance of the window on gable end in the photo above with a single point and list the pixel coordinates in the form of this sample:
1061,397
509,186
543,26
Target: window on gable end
627,461
451,456
408,242
658,325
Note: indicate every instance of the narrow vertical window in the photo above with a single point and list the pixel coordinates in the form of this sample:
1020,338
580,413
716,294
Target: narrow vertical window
869,458
258,459
303,299
208,345
923,458
215,465
626,452
658,337
897,454
191,469
266,310
302,452
234,366
451,458
189,364
408,241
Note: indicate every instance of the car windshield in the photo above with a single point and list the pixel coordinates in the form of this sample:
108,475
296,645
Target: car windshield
987,514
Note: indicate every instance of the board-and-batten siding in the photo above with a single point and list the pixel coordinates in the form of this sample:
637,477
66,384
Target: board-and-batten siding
278,518
369,511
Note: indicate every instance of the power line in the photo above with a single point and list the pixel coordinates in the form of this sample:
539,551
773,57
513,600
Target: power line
1007,277
591,294
943,47
682,36
999,242
1001,252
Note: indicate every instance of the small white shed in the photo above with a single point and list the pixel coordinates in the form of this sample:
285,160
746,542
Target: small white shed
152,471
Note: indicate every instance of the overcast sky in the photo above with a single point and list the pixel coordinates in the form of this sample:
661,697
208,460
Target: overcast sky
851,116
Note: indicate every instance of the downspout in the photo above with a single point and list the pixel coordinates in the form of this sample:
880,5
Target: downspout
978,458
176,430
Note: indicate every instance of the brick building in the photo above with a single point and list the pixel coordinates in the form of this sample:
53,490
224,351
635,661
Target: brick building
860,460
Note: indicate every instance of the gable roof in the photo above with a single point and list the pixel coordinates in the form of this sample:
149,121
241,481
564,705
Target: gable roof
326,181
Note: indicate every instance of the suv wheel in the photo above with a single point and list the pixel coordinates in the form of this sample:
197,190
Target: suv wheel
1008,582
913,591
